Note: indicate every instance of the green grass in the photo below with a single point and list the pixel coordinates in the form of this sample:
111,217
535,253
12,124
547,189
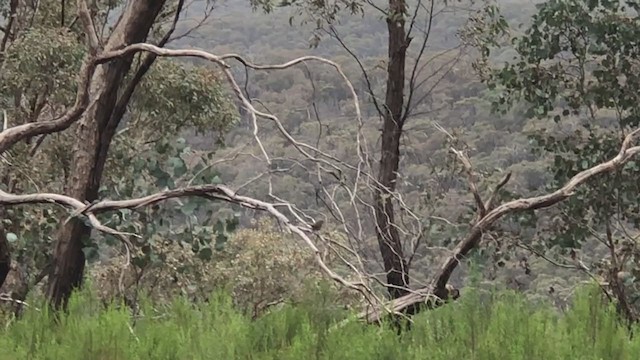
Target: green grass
495,326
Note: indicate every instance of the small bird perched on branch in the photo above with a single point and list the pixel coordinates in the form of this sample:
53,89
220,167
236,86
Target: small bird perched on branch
317,225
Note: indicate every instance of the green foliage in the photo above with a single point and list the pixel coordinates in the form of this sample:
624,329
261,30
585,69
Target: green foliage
156,146
576,72
576,54
172,98
259,266
38,82
576,59
166,163
480,326
41,66
175,96
263,266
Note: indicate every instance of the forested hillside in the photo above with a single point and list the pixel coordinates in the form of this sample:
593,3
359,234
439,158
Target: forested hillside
379,157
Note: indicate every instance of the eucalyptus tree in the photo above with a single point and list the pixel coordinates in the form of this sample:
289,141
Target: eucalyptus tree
576,69
128,115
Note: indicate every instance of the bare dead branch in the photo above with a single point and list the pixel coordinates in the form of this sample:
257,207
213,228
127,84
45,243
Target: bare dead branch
534,203
471,179
309,152
214,192
208,11
489,204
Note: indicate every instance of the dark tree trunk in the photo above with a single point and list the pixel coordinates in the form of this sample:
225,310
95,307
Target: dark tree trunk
5,255
5,251
94,134
388,236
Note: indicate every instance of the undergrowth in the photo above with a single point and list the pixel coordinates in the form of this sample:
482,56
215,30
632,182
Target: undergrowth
501,325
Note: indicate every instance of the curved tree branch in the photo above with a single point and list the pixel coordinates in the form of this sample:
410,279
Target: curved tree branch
411,303
213,192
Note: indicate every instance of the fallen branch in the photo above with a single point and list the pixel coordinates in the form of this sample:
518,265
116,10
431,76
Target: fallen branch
411,303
